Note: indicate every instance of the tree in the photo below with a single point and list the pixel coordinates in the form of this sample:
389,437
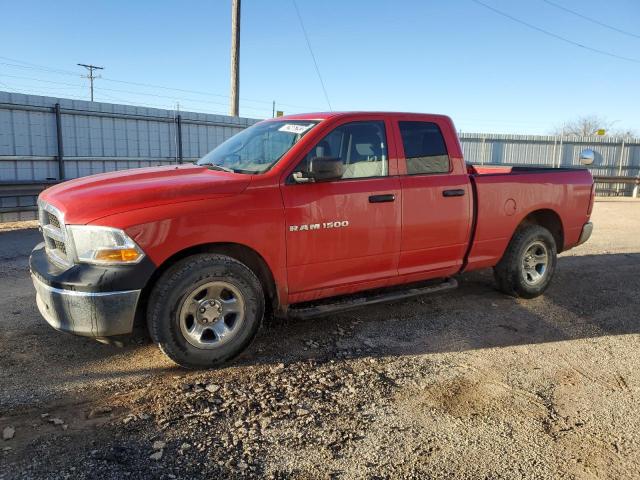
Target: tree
589,125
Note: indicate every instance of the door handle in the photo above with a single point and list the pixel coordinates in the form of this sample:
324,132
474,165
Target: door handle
458,192
387,197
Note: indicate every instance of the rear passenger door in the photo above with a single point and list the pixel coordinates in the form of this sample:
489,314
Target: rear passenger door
437,203
346,232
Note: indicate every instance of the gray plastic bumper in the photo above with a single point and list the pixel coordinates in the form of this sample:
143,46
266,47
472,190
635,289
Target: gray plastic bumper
587,229
91,314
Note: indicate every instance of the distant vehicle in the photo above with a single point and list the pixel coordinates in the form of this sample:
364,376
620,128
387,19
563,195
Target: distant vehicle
302,215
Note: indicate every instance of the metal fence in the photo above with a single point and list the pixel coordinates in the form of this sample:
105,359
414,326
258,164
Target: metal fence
44,140
614,157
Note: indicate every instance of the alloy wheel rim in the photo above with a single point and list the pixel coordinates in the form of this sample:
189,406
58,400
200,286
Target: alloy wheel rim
535,263
212,314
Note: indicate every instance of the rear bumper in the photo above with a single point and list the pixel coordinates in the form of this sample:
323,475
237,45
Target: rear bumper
587,229
90,314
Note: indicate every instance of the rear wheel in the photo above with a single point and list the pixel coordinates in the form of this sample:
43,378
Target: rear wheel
205,310
528,264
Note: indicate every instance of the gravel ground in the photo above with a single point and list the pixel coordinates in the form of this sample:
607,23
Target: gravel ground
468,384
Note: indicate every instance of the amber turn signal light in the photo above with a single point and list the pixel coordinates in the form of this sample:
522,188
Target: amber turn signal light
117,255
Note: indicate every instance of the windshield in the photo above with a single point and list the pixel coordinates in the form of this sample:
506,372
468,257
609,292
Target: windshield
258,148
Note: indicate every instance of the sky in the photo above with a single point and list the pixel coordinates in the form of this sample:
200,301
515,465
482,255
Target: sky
456,57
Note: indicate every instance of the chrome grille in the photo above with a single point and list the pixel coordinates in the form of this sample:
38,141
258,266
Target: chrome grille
53,220
60,246
53,231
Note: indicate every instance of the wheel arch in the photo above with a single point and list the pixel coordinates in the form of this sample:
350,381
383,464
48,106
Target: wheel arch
549,219
237,251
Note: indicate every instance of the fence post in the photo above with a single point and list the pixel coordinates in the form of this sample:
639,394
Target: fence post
621,159
560,150
484,144
620,167
179,137
56,109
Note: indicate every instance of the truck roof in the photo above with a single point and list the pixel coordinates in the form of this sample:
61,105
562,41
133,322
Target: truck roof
326,115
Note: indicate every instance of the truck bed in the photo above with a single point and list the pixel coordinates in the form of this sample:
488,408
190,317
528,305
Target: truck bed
505,195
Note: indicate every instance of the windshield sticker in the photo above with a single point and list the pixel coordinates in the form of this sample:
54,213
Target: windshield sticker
295,128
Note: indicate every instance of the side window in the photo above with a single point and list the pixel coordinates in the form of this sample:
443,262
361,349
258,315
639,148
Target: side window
360,146
424,148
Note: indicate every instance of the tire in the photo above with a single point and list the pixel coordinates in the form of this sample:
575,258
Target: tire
205,310
522,272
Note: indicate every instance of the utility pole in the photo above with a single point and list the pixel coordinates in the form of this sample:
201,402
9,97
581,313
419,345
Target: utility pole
234,107
91,76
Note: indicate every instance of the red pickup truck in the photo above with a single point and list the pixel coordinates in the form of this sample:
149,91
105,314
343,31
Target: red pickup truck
301,215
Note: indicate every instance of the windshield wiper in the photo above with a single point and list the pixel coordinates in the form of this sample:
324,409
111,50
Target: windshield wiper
213,166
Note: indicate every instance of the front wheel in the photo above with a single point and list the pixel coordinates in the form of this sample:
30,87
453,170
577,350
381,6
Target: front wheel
205,310
528,264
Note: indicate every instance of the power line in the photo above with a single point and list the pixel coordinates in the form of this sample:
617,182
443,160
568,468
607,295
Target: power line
55,70
592,20
138,84
41,80
198,92
315,63
171,97
32,91
28,65
6,86
31,67
61,85
34,66
554,35
48,92
162,106
187,101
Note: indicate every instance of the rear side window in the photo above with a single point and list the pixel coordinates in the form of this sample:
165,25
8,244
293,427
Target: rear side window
424,148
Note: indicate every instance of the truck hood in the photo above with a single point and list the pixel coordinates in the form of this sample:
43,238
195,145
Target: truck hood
86,199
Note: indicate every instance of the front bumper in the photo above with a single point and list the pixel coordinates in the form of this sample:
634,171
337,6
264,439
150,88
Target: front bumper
88,300
90,314
587,229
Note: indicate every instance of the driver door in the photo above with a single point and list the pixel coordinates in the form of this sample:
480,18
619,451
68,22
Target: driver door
343,235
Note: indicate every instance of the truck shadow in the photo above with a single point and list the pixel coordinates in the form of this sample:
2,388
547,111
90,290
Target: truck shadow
591,296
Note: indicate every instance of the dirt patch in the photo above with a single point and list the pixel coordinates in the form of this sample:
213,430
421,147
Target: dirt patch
21,225
471,384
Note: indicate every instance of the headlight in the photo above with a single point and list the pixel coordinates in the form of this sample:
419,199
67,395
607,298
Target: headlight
103,245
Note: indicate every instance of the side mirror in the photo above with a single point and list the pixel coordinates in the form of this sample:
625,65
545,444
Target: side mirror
321,169
587,156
